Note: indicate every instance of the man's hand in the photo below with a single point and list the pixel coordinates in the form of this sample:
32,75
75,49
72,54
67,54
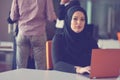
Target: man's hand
64,1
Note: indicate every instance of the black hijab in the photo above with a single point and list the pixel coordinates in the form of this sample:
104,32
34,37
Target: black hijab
78,45
69,33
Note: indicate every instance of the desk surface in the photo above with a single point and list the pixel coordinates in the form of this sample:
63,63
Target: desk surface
106,44
31,74
6,46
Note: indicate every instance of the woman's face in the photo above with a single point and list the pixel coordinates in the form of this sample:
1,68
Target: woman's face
78,21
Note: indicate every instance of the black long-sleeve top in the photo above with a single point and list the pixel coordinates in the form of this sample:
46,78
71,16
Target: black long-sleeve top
64,61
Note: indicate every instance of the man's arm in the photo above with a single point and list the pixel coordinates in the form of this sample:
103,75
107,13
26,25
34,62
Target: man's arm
14,14
51,16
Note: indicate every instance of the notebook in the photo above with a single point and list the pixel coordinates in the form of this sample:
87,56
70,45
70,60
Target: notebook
105,63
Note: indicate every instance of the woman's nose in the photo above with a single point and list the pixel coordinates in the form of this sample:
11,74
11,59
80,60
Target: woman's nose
79,22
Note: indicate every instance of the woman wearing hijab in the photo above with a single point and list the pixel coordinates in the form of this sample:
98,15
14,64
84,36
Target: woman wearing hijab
71,49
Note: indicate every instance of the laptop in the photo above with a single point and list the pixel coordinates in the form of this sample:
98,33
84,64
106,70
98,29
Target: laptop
105,63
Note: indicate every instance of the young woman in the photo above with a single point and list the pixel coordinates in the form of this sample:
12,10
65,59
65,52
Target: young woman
71,49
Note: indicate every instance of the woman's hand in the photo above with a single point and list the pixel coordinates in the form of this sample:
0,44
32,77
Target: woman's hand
81,70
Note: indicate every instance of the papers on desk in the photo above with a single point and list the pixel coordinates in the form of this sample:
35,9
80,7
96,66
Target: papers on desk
6,46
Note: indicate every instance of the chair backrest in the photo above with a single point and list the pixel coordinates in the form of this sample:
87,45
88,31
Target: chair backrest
118,35
49,64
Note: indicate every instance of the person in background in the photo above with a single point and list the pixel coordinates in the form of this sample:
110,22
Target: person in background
62,9
32,17
64,6
14,33
71,49
14,27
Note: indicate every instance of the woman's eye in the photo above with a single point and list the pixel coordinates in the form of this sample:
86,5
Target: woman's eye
75,19
82,19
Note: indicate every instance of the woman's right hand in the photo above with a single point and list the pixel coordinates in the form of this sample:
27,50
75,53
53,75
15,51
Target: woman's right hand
81,70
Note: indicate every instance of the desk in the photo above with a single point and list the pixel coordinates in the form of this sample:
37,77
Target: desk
32,74
108,44
6,46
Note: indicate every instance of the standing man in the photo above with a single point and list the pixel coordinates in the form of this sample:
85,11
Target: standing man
32,16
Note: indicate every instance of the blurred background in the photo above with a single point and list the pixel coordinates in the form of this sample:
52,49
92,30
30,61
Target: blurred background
104,14
103,17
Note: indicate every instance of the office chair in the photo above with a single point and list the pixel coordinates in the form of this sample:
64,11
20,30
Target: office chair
49,64
118,36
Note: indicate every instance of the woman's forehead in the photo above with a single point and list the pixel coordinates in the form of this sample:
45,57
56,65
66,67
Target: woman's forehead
78,13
